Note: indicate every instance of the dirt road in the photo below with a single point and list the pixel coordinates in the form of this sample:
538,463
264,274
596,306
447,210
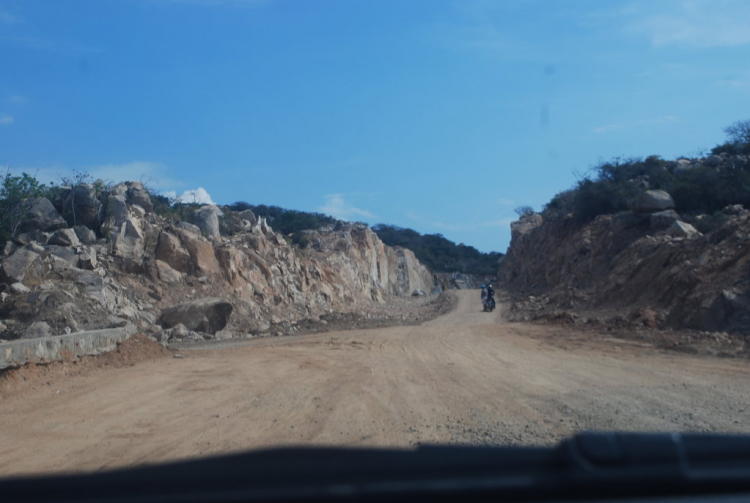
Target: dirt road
465,377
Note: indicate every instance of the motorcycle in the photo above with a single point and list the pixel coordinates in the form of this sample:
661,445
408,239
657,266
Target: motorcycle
489,305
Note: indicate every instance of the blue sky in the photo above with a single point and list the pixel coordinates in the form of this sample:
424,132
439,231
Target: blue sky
442,116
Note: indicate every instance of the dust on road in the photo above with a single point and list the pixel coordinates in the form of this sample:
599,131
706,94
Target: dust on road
466,377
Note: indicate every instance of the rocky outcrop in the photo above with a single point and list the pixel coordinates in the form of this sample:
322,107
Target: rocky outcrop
132,266
652,201
631,262
203,315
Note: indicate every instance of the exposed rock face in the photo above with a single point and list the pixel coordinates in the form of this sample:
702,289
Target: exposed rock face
652,201
203,315
621,263
142,265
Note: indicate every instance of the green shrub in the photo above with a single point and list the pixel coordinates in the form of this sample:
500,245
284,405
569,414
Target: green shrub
710,223
13,191
524,211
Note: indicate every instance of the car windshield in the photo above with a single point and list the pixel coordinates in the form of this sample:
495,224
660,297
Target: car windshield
231,225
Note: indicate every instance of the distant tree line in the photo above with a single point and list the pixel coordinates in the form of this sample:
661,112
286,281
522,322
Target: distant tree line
439,253
435,251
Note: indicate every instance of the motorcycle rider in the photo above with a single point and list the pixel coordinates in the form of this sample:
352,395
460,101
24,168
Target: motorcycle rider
484,297
490,297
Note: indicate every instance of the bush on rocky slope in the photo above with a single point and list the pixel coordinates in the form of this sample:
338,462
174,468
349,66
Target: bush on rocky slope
698,186
14,192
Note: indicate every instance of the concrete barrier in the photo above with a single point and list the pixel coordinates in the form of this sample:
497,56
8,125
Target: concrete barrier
48,349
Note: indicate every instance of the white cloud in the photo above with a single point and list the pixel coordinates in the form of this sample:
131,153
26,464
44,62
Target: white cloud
199,195
16,99
337,207
8,18
6,120
505,202
735,83
607,128
696,23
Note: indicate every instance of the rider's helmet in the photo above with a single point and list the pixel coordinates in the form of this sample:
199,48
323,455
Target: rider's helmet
484,286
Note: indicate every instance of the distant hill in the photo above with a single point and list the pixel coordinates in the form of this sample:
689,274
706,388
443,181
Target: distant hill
433,250
440,254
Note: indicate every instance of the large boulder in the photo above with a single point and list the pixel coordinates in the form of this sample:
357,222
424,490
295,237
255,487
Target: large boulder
663,219
248,216
169,250
85,235
41,215
652,201
81,206
137,194
202,254
682,230
65,237
166,273
37,330
207,218
13,268
188,227
203,315
36,236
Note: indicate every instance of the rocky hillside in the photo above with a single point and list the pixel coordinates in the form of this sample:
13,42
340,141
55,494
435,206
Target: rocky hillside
100,257
645,265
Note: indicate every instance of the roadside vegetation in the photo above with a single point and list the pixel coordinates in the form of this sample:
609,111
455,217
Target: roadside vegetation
14,190
722,179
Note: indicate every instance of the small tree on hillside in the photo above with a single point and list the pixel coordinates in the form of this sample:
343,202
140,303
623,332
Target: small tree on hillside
14,190
739,132
522,211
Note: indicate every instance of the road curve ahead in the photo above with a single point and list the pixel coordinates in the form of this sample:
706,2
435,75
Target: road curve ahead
466,377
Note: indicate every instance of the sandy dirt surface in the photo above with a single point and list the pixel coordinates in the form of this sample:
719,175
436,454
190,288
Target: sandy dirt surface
465,377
